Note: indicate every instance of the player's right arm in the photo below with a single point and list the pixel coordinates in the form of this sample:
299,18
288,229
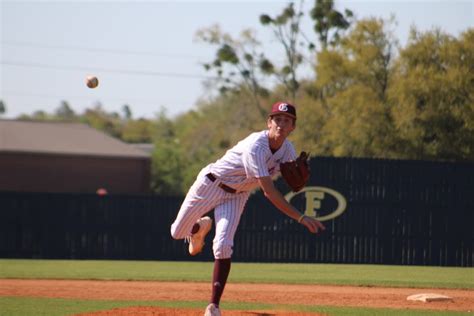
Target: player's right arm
277,199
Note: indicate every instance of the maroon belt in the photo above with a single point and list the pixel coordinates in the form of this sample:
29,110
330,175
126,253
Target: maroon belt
221,185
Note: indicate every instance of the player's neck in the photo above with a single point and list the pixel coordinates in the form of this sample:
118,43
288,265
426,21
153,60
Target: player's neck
275,144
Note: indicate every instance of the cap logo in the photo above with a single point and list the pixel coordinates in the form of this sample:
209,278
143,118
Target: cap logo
283,107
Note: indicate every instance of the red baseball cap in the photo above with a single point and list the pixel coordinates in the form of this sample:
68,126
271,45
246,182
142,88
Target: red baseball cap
283,108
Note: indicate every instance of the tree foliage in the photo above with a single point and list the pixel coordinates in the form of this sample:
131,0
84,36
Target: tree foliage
138,131
238,64
432,96
125,128
127,112
65,112
354,118
287,30
3,107
99,119
168,158
368,98
329,23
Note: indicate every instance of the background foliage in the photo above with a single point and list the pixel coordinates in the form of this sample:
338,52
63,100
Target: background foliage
368,96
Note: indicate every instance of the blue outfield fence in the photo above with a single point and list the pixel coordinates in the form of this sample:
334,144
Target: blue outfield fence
395,212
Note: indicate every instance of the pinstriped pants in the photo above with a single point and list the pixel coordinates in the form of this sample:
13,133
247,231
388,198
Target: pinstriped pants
203,196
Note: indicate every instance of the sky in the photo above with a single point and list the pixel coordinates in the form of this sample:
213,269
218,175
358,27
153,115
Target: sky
145,53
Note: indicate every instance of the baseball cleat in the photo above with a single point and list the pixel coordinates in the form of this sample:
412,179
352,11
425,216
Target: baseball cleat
212,310
196,242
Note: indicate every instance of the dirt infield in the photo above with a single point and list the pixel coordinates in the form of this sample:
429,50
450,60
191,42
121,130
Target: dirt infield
160,311
311,295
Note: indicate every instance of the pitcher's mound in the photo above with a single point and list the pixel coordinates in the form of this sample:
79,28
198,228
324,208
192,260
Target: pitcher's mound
428,297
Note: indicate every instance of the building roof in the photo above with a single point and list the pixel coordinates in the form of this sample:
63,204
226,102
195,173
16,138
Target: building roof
146,147
62,138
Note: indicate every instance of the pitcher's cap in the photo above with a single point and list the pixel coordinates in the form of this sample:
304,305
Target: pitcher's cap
283,108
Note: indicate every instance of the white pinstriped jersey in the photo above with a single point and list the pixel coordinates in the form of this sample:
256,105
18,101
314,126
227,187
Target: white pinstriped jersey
239,168
249,160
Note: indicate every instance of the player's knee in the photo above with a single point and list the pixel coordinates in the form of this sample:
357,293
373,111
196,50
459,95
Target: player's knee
175,233
222,251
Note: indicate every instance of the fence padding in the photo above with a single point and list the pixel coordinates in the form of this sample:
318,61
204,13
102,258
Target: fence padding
398,212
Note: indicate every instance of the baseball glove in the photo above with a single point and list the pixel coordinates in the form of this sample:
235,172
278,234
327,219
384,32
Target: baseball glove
296,173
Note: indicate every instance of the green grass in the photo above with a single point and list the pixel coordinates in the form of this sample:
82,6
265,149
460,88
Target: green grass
16,306
361,275
330,274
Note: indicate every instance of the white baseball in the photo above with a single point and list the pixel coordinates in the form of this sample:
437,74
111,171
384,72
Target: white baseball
92,81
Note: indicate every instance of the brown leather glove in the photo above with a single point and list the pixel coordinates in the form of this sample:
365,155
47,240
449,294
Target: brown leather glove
296,173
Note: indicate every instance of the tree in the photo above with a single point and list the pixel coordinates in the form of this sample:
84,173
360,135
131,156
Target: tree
167,168
238,63
40,115
355,76
329,23
138,131
432,96
286,29
98,118
65,112
3,108
368,52
127,112
168,159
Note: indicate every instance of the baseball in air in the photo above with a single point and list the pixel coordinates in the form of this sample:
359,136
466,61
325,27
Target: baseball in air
92,81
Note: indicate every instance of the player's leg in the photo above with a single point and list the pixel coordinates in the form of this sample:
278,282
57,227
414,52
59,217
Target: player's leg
227,216
201,198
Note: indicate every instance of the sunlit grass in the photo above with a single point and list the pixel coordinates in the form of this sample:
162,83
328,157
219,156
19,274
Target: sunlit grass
331,274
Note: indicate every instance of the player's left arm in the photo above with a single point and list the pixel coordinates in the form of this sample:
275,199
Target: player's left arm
277,199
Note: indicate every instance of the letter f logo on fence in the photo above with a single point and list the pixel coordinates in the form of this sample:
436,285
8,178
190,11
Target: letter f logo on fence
314,202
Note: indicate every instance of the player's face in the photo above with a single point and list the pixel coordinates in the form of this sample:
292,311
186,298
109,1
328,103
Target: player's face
281,125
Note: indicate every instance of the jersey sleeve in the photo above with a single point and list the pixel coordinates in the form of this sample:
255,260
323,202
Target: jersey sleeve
254,162
290,152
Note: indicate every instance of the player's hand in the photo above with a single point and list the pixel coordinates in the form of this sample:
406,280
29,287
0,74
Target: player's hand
312,224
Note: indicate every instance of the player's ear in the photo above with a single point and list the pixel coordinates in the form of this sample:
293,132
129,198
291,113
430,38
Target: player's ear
293,127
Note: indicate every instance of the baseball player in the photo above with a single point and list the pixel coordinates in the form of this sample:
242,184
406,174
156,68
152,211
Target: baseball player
225,186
